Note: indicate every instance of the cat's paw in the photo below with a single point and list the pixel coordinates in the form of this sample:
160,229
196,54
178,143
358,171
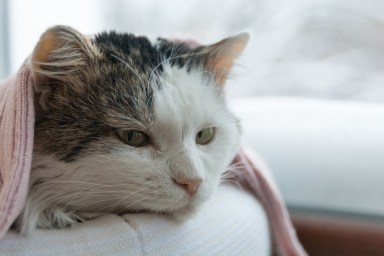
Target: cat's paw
47,219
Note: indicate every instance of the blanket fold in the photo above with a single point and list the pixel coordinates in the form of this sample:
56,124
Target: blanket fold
252,174
16,144
16,147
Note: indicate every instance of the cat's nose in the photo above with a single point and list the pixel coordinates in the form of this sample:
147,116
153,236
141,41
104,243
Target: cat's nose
188,184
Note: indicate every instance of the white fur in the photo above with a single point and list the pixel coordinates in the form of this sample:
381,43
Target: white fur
132,179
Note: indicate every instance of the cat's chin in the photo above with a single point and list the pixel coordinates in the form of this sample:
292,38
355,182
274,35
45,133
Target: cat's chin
187,212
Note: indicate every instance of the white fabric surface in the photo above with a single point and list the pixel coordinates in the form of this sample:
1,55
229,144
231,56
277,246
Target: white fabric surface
325,154
231,223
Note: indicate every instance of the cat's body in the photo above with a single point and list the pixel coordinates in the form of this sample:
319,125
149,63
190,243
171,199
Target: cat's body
124,124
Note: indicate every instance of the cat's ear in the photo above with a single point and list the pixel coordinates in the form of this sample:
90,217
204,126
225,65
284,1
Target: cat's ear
220,57
60,53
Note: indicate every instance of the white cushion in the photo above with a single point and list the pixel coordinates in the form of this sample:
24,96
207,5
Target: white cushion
325,154
231,223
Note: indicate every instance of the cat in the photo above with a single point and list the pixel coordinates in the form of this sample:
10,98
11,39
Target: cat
127,124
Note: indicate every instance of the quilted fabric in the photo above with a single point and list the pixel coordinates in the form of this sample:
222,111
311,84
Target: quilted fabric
232,223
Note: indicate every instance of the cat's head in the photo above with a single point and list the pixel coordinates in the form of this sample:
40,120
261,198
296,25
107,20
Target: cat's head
124,123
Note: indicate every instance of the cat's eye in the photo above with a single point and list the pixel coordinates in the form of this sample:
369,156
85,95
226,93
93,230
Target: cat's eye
205,136
132,137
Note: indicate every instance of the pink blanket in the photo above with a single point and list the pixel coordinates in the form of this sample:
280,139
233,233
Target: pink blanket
16,146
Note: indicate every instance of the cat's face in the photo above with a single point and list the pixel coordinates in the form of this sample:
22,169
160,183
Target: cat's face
126,124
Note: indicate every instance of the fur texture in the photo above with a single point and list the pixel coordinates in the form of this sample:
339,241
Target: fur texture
87,89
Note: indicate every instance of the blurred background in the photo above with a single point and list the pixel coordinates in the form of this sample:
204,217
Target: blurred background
317,48
309,86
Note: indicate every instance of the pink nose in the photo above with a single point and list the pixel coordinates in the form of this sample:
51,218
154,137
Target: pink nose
188,184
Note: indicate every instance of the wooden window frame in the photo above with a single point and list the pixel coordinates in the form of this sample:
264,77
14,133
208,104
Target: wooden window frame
338,234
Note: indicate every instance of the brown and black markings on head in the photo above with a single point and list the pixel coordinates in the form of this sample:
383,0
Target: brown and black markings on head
124,123
87,86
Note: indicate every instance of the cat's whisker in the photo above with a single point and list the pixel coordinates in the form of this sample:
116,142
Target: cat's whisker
234,183
124,208
68,198
81,192
240,164
80,184
240,167
88,205
226,174
130,205
125,197
110,200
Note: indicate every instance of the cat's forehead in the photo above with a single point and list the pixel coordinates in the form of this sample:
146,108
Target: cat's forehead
186,103
136,70
146,53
